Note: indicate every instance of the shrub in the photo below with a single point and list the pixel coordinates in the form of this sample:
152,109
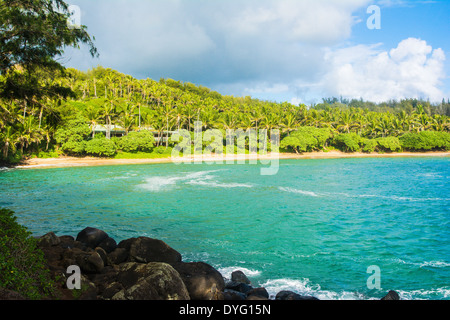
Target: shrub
22,265
368,145
389,144
347,142
306,139
142,141
72,135
426,140
101,147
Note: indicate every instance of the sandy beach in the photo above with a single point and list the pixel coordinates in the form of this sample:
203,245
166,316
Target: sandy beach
89,161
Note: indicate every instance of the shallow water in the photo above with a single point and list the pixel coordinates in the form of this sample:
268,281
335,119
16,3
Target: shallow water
313,228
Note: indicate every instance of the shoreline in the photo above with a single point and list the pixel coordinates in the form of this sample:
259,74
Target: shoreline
62,162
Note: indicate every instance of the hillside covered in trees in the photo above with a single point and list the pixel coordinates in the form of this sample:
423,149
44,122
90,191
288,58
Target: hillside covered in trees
146,111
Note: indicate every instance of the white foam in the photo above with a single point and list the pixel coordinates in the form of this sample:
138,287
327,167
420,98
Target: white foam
423,294
293,190
156,184
201,178
435,264
227,271
304,287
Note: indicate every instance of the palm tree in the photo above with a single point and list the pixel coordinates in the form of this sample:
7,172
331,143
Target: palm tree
93,115
127,118
108,111
8,136
289,123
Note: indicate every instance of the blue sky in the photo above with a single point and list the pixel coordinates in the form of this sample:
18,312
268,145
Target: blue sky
283,50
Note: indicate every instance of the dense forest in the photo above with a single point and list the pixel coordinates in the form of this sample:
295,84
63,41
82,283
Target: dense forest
64,124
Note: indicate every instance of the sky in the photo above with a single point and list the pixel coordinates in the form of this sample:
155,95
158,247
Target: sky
298,51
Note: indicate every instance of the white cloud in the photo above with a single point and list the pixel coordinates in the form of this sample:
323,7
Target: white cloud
412,70
278,48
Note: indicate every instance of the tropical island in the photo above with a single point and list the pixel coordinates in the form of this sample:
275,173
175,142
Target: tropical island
107,114
51,115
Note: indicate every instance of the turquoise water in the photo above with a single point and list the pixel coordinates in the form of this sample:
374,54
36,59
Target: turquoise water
313,228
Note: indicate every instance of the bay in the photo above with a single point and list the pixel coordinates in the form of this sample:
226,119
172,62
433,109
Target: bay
313,228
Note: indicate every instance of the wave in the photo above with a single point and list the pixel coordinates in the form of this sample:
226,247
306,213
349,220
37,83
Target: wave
304,287
201,178
348,195
425,294
292,190
227,271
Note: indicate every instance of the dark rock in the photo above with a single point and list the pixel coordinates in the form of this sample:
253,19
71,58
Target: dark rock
258,292
88,290
111,290
109,245
239,276
289,295
392,295
102,253
89,262
256,298
202,281
104,279
67,242
92,237
48,240
118,256
238,286
146,250
229,294
152,281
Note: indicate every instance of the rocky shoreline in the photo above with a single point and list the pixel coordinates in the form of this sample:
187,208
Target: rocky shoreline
141,269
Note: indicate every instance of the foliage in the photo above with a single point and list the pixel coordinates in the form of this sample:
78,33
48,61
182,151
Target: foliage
306,139
106,97
34,32
389,144
142,141
425,141
368,145
22,264
72,136
101,147
347,142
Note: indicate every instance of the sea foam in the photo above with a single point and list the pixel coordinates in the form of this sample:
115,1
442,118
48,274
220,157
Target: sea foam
201,178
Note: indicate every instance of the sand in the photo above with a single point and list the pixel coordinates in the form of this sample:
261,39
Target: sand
88,161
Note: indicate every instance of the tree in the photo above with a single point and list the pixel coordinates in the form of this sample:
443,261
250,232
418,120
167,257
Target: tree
33,33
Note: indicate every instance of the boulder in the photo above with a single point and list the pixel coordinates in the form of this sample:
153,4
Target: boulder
392,295
48,240
109,245
89,262
289,295
92,237
151,281
239,276
118,256
146,250
258,293
238,286
233,295
202,281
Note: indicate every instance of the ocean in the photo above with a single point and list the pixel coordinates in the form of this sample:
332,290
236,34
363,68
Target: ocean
317,227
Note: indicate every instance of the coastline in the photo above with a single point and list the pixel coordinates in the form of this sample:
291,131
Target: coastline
62,162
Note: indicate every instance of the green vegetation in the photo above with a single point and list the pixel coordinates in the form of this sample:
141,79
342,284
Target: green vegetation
147,110
22,264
